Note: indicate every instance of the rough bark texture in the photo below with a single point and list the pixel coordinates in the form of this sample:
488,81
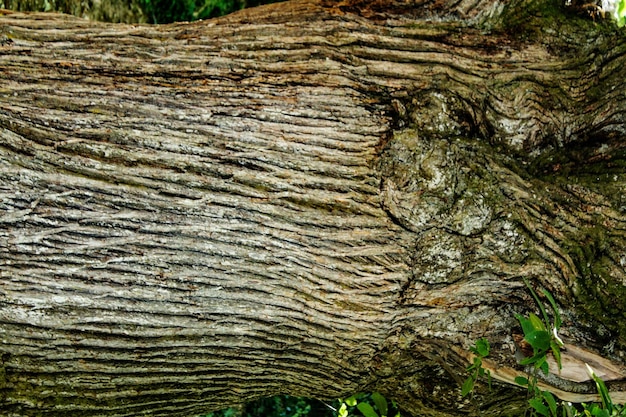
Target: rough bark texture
305,198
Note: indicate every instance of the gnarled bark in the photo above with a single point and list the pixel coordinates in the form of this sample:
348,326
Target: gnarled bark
307,198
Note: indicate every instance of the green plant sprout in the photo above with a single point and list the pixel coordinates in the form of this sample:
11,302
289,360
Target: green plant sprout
606,408
481,350
542,336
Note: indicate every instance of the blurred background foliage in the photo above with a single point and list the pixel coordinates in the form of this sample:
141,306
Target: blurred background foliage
280,406
167,11
135,11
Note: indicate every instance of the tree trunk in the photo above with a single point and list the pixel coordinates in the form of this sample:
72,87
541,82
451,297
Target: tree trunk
309,198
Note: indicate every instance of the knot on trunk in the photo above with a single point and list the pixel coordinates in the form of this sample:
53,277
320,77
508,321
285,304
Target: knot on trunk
442,183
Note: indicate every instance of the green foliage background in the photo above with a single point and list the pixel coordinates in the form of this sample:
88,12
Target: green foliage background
135,11
279,406
168,11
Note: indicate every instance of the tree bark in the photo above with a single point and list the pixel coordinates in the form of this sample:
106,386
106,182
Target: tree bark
310,198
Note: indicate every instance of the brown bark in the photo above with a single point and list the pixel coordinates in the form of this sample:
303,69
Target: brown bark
305,198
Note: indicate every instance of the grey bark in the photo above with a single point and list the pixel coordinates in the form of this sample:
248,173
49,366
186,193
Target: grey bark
306,198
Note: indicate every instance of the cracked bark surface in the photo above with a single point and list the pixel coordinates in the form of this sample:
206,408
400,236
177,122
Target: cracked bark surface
309,198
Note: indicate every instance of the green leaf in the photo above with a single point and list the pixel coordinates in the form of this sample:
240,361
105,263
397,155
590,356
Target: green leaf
621,13
533,359
478,361
566,409
537,360
476,365
527,326
544,366
351,401
600,412
482,347
381,403
539,340
604,393
556,351
343,410
551,401
536,322
520,380
557,316
367,410
538,405
538,301
467,387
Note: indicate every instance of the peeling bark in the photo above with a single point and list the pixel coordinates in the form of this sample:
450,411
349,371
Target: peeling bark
305,198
